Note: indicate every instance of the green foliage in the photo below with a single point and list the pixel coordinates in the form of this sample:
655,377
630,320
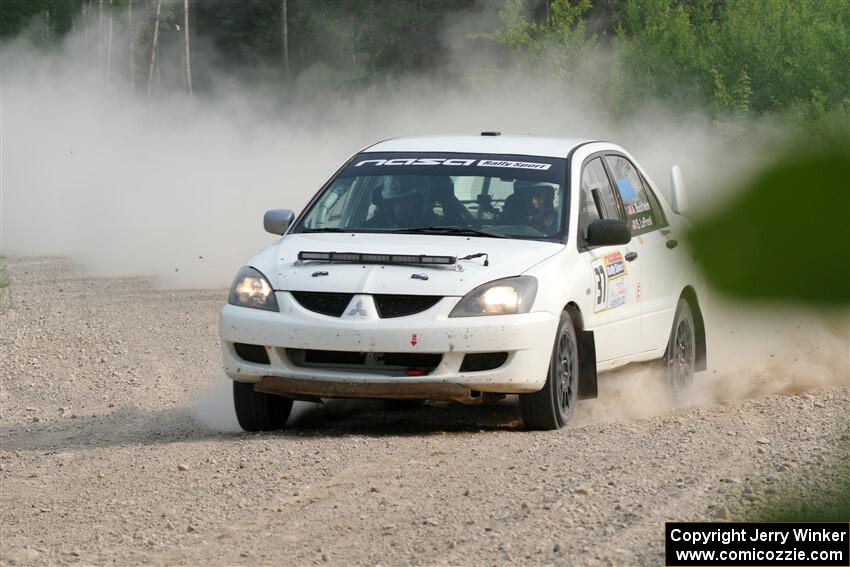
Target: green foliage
555,40
53,18
786,236
733,56
775,54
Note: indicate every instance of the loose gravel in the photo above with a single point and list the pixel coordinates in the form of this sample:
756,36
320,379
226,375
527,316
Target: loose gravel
104,459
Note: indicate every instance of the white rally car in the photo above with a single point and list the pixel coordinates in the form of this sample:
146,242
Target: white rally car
465,268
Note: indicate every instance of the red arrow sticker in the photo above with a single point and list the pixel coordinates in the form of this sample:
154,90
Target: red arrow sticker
413,340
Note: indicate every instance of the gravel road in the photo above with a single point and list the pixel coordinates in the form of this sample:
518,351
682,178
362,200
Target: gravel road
117,450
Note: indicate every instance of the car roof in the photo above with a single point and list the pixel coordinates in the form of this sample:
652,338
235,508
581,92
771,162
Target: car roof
482,144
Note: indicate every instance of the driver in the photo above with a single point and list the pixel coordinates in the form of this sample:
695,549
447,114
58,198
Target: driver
531,205
404,204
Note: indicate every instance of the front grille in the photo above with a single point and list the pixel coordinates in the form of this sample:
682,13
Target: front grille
481,361
386,362
390,306
332,304
252,353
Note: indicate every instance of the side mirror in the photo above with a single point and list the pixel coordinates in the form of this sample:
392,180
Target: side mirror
678,195
608,232
277,221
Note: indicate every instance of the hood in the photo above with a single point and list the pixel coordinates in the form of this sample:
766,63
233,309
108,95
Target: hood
507,257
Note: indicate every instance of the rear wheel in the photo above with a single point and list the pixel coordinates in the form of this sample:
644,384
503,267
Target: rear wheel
554,405
681,352
257,411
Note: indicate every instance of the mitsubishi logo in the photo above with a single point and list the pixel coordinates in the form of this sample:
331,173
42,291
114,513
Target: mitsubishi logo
358,310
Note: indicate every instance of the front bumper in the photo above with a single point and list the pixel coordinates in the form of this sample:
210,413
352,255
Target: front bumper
527,339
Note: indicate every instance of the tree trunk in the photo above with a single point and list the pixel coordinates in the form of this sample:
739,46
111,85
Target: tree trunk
353,46
100,36
109,44
154,46
284,37
132,36
84,19
187,57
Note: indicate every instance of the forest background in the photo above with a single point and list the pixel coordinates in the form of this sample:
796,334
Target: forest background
788,57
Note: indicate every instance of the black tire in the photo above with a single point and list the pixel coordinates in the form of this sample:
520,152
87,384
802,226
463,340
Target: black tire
554,405
680,357
256,411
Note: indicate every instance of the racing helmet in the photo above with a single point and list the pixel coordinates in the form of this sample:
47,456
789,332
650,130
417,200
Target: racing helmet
399,187
534,188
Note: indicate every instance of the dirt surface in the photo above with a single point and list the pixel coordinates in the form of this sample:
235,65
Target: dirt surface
109,457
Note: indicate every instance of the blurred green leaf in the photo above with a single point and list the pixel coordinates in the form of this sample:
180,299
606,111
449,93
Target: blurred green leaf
786,236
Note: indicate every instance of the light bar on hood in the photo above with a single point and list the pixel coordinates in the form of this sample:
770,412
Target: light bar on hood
360,258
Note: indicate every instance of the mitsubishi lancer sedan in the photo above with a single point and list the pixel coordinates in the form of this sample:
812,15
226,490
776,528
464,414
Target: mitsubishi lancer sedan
466,268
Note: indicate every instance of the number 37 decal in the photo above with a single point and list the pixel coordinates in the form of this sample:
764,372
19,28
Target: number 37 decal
610,281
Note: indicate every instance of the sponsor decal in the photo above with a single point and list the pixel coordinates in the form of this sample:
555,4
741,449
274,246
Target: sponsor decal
455,162
514,164
614,265
611,282
641,223
636,207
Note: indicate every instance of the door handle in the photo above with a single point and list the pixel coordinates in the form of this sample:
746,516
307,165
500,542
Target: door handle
672,243
631,256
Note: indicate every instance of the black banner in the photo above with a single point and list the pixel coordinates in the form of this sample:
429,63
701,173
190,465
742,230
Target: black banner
742,544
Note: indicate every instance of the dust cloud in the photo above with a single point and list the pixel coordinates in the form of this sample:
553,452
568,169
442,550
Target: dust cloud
751,353
175,188
213,406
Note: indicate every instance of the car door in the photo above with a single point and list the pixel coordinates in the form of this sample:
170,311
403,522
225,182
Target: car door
657,249
614,315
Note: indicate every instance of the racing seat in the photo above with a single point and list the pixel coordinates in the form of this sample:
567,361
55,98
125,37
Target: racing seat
443,192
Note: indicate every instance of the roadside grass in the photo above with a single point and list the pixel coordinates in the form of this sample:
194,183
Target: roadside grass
829,503
5,293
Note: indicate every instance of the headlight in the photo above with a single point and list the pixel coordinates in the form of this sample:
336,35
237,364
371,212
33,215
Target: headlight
251,289
500,297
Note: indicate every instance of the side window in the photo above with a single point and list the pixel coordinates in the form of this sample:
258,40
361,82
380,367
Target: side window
657,210
335,208
328,212
597,196
639,211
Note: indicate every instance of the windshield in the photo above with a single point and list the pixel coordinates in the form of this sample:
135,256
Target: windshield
467,194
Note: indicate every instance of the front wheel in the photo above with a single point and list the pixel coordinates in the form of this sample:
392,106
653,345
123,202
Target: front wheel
554,405
257,411
681,352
